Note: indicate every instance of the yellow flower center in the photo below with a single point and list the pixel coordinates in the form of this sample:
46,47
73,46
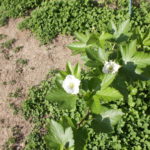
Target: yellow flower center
71,85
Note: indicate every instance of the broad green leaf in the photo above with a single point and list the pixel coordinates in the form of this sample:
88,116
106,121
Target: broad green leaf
109,94
103,55
103,37
128,51
141,58
58,137
64,100
92,54
113,115
68,122
93,40
81,37
100,124
77,47
95,105
69,68
107,79
123,28
105,121
81,136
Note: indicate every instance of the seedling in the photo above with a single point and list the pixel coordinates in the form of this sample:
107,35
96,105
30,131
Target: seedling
18,49
2,36
8,44
16,94
22,61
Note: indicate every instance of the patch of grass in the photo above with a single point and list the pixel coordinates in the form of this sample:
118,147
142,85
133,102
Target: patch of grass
3,20
13,82
2,36
15,108
8,44
18,49
17,93
22,61
4,83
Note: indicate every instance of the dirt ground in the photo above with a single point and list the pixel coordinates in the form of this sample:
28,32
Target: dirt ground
25,63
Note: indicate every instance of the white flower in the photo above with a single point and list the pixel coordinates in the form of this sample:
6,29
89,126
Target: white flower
110,67
71,84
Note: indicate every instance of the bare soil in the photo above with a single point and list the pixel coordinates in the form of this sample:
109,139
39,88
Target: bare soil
20,70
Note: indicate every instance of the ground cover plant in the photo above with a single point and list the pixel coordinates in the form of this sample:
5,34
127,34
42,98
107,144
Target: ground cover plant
67,16
16,8
87,104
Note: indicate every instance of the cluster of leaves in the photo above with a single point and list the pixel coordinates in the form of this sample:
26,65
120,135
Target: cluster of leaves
67,16
98,90
16,8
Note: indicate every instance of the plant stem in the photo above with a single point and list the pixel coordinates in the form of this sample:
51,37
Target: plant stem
83,119
130,7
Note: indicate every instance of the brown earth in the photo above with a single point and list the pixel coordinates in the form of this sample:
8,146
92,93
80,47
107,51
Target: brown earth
17,77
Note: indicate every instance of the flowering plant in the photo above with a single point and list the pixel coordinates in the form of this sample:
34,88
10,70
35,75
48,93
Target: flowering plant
113,61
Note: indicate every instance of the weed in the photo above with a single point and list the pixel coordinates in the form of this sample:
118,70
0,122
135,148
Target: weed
22,61
2,36
18,49
19,70
5,83
8,44
15,108
13,82
17,93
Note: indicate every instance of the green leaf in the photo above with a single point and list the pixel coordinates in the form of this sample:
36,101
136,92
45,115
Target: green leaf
107,80
141,58
109,94
95,105
58,137
103,55
128,51
69,68
92,54
106,120
93,40
77,71
100,124
113,115
81,136
77,47
103,37
64,100
123,28
81,37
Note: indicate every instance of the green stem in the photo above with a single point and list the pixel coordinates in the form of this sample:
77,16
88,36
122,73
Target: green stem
61,147
130,7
